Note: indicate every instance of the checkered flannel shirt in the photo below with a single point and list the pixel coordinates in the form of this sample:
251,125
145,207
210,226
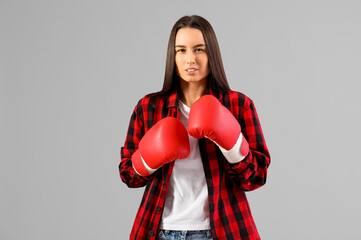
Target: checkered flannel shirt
230,215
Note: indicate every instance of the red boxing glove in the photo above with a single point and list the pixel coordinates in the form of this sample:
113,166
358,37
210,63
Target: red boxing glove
209,118
165,142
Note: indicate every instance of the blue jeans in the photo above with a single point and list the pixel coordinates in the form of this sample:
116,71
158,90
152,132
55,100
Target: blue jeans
185,235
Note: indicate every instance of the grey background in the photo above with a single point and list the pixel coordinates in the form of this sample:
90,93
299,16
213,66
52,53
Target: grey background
72,71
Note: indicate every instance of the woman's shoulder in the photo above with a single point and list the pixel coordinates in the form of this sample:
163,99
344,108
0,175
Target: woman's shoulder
150,102
235,96
144,101
143,105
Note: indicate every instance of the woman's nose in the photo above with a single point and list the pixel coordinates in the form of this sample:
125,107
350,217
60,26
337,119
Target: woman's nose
191,58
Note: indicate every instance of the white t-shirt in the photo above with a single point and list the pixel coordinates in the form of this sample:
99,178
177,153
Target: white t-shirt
186,205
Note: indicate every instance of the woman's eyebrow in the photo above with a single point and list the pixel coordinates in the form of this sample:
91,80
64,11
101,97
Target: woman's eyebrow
198,45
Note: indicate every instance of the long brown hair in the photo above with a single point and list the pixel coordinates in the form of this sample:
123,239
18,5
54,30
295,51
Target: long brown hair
216,79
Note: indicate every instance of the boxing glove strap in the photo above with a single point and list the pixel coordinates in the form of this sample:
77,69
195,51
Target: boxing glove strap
149,169
139,165
238,152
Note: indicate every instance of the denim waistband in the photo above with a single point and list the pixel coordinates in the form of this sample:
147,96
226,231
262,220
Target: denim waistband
185,234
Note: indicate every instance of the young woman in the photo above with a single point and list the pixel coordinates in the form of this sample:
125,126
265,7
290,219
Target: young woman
196,145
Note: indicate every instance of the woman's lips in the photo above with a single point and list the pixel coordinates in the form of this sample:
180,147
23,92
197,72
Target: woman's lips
191,70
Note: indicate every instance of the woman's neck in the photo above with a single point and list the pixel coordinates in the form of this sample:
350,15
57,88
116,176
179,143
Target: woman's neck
191,92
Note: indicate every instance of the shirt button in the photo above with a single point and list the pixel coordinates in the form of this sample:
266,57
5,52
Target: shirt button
164,184
158,208
151,233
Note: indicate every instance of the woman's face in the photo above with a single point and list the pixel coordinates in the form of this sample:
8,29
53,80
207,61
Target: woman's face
191,58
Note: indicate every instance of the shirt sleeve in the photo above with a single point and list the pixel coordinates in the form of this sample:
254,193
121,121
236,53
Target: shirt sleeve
134,135
251,172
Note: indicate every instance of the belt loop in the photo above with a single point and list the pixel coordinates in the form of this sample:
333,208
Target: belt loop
209,233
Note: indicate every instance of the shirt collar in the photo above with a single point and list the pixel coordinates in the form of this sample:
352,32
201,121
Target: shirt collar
173,99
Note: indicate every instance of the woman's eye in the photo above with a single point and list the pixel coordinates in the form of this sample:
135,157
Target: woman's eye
199,50
180,50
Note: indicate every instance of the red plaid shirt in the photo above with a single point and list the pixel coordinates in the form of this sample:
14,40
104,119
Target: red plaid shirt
230,215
